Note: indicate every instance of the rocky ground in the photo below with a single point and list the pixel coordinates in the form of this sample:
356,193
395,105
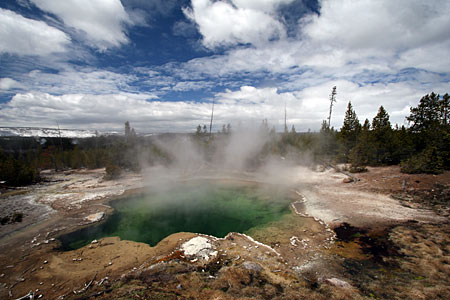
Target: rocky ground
385,236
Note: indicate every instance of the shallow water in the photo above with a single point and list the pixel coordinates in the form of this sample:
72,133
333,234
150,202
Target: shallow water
200,207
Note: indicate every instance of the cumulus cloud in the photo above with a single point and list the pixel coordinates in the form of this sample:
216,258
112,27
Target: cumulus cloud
25,36
223,24
102,112
103,22
345,38
8,83
380,25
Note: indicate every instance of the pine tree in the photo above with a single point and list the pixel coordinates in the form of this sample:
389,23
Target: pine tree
327,143
127,129
199,130
426,115
381,120
403,145
349,132
444,110
382,134
363,153
430,130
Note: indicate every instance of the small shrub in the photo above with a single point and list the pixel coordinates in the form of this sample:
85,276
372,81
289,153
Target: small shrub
4,220
112,172
17,217
358,169
428,161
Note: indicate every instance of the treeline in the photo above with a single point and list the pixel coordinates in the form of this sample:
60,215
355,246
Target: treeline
21,159
423,147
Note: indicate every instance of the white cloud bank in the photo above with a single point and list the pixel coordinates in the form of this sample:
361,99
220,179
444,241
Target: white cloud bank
102,21
305,109
23,36
86,111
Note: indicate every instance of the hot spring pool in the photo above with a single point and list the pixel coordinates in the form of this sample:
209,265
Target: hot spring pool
201,207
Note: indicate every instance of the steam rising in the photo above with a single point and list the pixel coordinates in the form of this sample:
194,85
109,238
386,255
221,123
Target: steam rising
243,154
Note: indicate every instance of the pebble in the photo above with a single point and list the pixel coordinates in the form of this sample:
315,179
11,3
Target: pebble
45,262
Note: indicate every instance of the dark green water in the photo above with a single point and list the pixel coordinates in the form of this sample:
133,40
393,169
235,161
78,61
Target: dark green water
200,207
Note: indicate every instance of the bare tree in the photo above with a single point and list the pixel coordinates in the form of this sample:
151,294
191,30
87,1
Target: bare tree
332,100
285,121
212,115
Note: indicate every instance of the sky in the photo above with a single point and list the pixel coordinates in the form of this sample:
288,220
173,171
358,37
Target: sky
161,64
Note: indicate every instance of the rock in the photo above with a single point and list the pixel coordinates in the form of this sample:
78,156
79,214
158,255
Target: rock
252,266
347,180
199,247
338,283
95,217
294,240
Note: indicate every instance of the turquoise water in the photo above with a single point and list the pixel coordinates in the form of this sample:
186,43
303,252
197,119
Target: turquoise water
201,207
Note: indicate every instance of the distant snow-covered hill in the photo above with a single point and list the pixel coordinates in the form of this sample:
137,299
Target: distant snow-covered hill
45,132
